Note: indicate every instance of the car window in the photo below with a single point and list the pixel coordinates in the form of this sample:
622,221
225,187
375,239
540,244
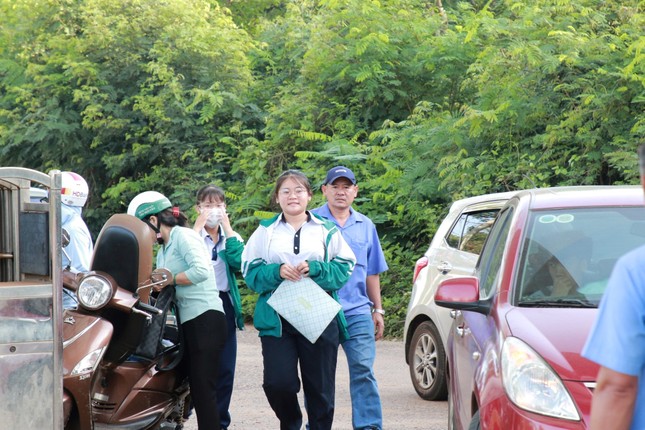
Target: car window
568,255
491,258
471,230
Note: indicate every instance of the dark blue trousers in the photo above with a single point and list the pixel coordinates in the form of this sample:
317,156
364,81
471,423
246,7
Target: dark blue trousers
227,363
317,361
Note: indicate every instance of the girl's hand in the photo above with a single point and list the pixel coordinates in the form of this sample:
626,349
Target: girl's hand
200,222
303,268
287,271
226,224
161,277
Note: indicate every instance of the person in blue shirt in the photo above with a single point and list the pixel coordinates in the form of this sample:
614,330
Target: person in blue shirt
77,254
360,296
616,344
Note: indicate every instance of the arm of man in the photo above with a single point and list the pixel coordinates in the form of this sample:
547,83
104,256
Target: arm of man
375,264
373,283
613,400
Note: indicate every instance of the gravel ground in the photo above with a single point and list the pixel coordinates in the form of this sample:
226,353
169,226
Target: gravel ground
402,408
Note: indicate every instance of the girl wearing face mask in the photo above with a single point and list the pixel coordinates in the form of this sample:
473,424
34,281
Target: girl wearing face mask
225,248
201,313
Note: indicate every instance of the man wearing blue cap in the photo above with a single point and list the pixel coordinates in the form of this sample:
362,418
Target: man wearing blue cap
360,297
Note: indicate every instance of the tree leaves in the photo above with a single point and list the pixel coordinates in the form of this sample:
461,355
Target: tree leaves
427,102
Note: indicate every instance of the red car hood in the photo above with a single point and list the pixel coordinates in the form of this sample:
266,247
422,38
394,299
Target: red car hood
558,335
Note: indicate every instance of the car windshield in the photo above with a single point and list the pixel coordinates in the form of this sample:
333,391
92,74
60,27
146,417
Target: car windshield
568,255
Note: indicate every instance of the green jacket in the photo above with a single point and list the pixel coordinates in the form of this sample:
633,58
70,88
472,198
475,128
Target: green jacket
232,255
262,275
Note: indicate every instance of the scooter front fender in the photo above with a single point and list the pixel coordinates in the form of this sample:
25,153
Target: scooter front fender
86,338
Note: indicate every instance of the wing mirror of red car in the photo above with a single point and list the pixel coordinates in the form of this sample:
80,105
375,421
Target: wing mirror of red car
463,294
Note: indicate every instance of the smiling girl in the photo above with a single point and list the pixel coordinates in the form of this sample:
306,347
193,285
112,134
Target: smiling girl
292,245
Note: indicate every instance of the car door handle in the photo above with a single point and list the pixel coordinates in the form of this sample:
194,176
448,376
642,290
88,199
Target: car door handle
454,313
444,267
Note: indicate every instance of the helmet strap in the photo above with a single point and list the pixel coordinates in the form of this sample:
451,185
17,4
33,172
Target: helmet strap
156,230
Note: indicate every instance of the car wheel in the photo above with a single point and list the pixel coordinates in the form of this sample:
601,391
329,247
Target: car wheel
427,360
474,422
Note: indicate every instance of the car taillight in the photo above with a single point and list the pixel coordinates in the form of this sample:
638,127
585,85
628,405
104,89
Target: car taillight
421,263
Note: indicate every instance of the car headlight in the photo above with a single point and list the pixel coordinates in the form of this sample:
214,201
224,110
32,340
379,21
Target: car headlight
532,385
94,292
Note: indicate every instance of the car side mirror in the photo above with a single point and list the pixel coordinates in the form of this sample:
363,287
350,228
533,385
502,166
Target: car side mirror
462,294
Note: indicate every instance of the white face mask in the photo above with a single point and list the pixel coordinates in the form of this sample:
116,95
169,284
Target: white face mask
214,217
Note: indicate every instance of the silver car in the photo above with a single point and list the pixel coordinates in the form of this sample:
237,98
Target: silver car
454,251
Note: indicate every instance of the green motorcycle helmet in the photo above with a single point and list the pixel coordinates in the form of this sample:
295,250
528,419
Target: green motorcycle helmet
148,203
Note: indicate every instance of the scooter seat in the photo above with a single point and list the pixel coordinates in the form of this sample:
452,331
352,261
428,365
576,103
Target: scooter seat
123,249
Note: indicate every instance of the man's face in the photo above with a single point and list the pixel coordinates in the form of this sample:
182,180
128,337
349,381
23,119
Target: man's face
340,194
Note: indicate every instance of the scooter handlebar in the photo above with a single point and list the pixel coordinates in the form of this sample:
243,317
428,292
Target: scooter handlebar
149,308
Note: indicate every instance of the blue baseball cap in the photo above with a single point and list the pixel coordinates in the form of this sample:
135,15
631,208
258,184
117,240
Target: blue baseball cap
339,172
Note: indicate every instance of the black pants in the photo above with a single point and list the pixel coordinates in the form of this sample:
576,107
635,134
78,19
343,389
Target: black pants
227,362
318,370
204,339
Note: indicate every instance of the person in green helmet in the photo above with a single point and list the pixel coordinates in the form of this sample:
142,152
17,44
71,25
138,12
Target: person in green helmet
201,313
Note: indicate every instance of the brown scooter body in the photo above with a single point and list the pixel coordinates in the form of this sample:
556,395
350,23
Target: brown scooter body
113,388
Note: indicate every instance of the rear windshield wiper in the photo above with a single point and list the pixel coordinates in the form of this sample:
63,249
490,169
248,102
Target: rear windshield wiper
559,302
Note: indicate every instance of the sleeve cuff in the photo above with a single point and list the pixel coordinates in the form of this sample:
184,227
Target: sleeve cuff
314,268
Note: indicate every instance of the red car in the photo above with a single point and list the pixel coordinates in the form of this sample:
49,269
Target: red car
520,323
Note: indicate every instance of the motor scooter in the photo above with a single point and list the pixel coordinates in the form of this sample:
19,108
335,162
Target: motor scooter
106,385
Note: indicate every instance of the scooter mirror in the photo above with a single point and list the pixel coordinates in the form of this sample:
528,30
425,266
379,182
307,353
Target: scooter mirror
161,277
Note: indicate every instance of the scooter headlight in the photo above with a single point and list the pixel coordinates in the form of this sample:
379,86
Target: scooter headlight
94,292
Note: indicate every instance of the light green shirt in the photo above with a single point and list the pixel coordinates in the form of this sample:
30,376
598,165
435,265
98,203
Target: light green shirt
185,252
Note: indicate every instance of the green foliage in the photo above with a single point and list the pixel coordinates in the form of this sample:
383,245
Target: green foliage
425,104
133,95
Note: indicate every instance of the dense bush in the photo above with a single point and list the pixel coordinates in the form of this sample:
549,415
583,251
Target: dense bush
426,102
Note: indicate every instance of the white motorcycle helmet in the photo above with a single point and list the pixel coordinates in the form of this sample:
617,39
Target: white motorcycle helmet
148,203
74,189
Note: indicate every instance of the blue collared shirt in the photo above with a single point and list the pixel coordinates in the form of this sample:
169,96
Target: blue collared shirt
360,233
617,337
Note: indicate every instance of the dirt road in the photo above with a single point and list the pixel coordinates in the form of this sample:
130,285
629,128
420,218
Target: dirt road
402,408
